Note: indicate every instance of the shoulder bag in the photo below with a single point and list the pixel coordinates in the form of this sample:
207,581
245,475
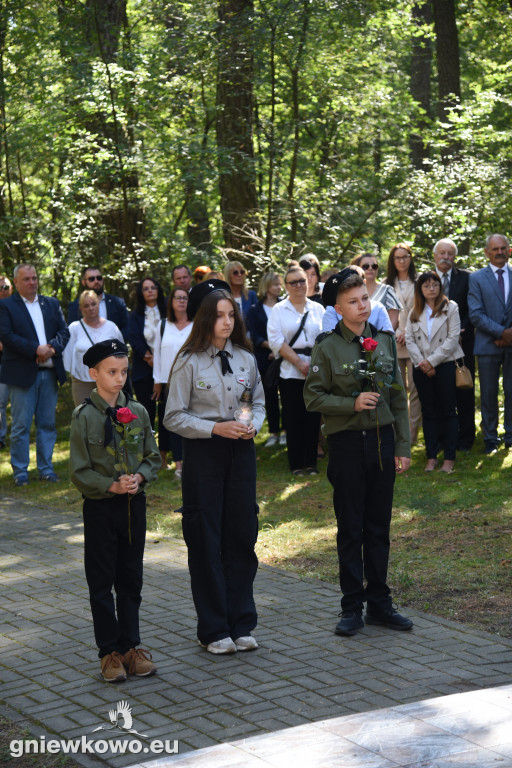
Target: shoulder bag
271,375
463,378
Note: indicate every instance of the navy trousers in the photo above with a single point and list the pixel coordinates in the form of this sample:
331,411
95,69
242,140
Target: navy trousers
112,562
363,499
220,528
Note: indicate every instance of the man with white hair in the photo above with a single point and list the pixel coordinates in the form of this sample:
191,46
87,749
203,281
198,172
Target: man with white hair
455,286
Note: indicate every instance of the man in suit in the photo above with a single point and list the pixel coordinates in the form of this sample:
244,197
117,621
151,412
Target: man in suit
34,333
111,307
182,277
455,286
5,292
490,311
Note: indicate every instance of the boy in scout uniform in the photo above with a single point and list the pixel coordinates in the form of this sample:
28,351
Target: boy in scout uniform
354,382
111,478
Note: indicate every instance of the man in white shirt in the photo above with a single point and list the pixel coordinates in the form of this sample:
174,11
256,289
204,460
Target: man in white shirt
33,333
490,311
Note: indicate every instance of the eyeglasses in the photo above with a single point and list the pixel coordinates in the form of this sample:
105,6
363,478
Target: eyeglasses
401,258
4,287
238,272
296,283
369,266
93,278
180,298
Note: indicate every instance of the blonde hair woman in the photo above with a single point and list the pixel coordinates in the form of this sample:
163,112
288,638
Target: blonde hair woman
235,275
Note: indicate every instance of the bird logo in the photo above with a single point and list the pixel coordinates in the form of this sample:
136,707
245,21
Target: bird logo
120,720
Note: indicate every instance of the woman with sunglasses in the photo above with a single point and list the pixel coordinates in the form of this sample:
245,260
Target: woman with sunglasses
432,338
235,275
292,329
213,372
143,325
172,334
401,275
378,291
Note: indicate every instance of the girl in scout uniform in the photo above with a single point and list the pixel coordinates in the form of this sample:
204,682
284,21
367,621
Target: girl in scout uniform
361,397
220,515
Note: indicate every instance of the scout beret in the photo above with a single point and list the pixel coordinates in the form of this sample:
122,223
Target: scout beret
102,350
201,290
332,286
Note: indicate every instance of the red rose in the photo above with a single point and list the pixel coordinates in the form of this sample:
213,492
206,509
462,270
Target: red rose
369,344
124,415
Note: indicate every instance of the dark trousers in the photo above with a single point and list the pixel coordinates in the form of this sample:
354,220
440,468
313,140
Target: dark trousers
220,528
489,369
363,499
272,409
466,410
111,561
167,441
439,409
301,425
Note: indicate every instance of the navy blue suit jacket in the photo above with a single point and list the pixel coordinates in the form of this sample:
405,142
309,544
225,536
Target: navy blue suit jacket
458,292
137,341
19,337
116,312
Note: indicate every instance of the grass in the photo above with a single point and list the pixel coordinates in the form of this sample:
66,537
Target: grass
451,548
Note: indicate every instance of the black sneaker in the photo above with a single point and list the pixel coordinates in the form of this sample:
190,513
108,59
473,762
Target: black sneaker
349,623
390,619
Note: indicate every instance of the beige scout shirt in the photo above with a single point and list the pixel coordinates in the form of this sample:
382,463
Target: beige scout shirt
200,396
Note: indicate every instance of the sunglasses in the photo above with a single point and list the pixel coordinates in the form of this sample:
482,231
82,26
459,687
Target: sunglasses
4,287
238,272
95,277
296,283
369,266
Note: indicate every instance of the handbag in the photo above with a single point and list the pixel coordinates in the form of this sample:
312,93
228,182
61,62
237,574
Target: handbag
463,377
271,375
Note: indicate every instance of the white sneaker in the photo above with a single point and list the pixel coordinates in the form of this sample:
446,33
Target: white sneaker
226,645
247,643
282,439
273,440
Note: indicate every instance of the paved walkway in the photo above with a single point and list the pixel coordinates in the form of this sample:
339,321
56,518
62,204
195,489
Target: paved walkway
302,675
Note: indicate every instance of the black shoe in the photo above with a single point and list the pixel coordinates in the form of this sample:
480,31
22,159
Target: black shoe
349,623
2,445
390,619
491,450
508,446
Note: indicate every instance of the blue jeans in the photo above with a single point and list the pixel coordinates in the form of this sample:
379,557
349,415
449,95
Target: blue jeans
4,397
39,401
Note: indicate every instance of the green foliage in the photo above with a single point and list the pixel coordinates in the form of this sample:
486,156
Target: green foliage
108,150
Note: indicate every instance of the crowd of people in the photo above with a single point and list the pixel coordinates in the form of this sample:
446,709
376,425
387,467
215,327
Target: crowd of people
337,358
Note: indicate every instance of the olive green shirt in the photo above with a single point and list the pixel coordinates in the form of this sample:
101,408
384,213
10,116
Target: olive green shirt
333,383
92,463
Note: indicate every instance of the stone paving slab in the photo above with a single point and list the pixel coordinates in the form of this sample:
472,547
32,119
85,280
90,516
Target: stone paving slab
302,673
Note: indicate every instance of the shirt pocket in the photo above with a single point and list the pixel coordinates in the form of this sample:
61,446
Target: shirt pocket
96,448
204,386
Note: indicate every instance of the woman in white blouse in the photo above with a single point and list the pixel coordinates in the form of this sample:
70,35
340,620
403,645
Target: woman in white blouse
172,334
432,338
379,291
284,322
401,275
83,333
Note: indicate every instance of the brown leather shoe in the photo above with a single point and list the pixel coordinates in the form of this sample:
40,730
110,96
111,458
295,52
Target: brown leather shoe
112,668
138,662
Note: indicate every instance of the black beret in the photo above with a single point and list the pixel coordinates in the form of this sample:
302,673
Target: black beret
102,350
201,290
332,286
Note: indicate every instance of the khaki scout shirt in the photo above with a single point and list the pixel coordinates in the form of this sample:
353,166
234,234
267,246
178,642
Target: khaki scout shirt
200,396
331,386
91,465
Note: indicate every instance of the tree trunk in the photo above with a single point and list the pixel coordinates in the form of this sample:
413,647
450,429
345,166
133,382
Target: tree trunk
448,67
237,184
421,71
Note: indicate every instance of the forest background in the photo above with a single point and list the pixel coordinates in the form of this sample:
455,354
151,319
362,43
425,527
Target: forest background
138,135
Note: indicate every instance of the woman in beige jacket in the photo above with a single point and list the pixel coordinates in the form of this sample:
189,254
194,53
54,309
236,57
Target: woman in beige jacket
432,338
